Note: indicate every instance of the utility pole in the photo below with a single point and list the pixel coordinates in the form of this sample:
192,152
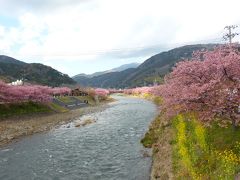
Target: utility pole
230,35
155,82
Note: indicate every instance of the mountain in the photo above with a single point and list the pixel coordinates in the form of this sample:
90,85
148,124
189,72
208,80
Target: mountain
150,71
162,63
125,66
118,69
108,80
12,69
10,60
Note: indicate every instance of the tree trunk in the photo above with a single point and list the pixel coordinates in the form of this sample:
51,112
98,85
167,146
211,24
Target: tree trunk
234,124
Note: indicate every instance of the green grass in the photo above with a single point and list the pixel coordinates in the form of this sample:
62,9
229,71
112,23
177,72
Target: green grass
223,137
205,152
65,99
158,100
8,110
90,99
153,134
57,108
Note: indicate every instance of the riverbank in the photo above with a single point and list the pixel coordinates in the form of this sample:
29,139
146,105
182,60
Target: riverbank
13,128
158,137
186,148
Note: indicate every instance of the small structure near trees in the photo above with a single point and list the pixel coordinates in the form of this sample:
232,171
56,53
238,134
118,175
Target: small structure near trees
78,92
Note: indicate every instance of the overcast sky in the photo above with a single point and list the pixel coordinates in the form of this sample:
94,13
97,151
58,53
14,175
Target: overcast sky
85,36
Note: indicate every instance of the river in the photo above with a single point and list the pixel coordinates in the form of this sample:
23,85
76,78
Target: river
107,149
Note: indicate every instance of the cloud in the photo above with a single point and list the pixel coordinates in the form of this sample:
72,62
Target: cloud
107,31
37,6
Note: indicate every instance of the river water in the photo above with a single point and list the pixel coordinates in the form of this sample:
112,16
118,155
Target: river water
107,149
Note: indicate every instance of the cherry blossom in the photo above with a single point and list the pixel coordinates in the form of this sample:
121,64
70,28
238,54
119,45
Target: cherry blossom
208,84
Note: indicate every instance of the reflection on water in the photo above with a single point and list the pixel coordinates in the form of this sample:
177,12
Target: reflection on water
107,149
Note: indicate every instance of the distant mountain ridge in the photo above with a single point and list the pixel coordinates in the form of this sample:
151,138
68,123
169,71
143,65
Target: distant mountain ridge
117,69
10,60
150,71
125,66
12,69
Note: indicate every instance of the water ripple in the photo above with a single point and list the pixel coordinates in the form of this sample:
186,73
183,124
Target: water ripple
107,149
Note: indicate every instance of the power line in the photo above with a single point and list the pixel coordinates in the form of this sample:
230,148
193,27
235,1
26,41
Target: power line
230,35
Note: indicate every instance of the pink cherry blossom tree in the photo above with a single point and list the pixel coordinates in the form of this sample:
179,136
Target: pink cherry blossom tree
112,91
61,91
34,93
139,90
101,92
208,84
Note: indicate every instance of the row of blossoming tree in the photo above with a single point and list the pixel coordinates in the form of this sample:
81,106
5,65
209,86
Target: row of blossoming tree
208,84
41,94
102,92
34,93
105,92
